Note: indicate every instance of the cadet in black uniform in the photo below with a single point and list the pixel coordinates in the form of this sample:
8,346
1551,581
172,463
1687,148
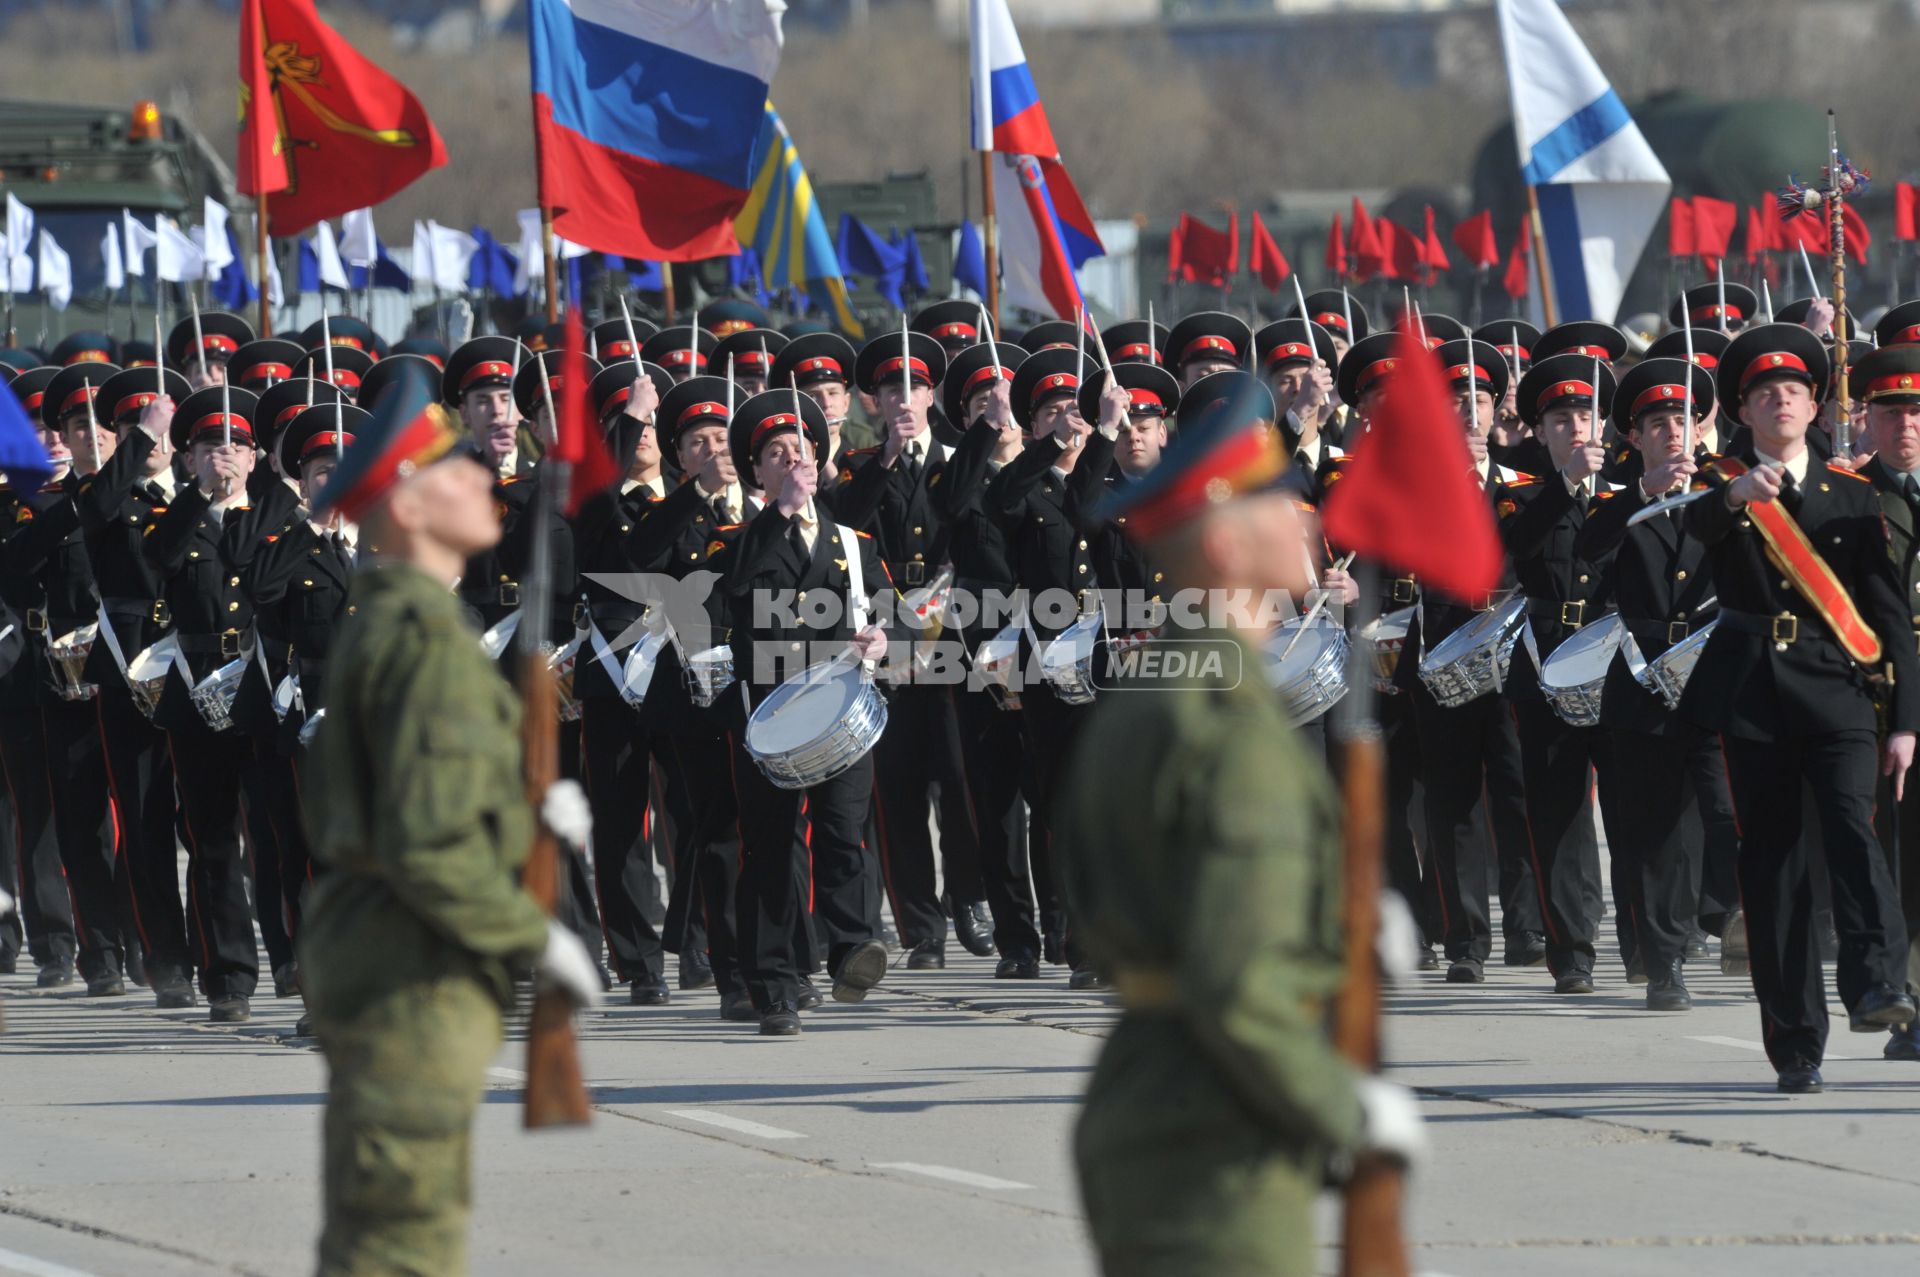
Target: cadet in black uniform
1205,343
1539,523
1677,815
1785,681
1296,361
795,545
821,364
200,345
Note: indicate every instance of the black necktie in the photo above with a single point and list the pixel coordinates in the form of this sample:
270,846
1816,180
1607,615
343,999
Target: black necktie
1910,488
913,462
156,495
1789,492
342,552
799,539
720,508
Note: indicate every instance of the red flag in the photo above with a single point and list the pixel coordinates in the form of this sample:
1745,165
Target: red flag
1474,238
1805,231
1858,237
1433,251
1366,254
1409,497
1336,251
1713,224
1204,255
1264,258
349,134
1681,240
1758,239
1406,257
1906,211
261,168
577,440
1515,279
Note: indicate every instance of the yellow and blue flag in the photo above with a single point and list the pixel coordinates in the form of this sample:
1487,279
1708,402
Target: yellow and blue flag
782,223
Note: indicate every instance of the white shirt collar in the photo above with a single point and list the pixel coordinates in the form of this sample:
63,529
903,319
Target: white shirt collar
1796,467
165,482
656,485
509,465
1484,469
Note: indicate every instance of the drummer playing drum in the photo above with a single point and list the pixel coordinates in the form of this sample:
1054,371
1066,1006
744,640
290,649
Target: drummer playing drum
797,593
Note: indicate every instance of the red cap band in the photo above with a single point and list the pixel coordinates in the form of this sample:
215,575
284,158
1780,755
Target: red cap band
1704,360
618,399
1210,344
86,357
772,425
1564,390
891,367
1060,383
616,349
340,339
1713,312
992,372
133,403
820,363
1289,351
1515,352
1597,352
1374,372
1659,396
1331,319
263,371
287,414
683,356
705,409
1781,361
1465,372
220,421
1905,337
1138,350
324,439
1142,399
945,331
78,399
1899,383
33,401
484,369
346,377
220,342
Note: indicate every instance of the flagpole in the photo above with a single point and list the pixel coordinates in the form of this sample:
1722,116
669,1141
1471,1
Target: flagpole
666,290
260,272
1539,231
552,265
990,238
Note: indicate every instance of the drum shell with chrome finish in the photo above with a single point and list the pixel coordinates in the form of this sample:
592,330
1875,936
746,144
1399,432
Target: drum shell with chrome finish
1474,660
1388,635
856,716
1574,675
1666,675
1066,661
1313,677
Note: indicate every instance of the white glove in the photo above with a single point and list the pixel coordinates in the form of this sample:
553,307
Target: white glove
6,904
1396,944
566,965
564,810
1391,1122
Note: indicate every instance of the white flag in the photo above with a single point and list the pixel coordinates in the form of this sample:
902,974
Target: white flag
135,240
175,256
276,296
441,255
359,245
332,273
217,247
56,271
110,259
16,252
1600,186
532,251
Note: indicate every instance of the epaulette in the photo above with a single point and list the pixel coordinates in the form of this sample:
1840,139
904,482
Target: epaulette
1521,476
864,536
714,547
275,536
1851,474
1305,507
1605,496
1519,481
729,527
22,513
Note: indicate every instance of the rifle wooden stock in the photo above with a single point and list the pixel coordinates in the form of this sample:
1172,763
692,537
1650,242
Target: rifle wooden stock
556,1092
1371,1242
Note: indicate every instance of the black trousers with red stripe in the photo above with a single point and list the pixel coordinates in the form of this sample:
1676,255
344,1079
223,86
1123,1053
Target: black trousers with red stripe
1772,783
84,826
918,757
1675,807
1470,761
281,819
29,849
706,851
139,770
1558,764
210,768
990,748
617,749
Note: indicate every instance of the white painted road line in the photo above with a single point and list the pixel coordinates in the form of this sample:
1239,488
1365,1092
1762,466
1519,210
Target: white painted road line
507,1075
12,1261
740,1125
1744,1045
972,1179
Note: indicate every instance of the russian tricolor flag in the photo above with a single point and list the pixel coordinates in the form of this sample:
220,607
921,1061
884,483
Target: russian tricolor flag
1044,230
645,117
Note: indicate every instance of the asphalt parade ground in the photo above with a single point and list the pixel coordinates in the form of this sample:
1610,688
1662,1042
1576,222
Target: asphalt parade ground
928,1131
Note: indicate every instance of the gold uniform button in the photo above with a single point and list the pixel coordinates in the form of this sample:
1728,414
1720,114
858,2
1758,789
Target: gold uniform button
193,554
233,580
1122,520
233,607
1158,577
694,557
504,577
1583,578
1082,569
918,558
796,647
916,531
1681,575
353,609
308,584
625,528
1083,545
800,597
1784,585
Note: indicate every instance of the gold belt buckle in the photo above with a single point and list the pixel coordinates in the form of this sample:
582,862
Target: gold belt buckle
1089,600
509,594
160,613
36,621
1402,589
1676,631
229,644
1573,613
1786,629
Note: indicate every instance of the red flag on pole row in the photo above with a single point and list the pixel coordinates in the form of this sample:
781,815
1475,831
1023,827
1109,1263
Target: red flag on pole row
1336,251
1410,498
1514,281
1858,237
261,168
1759,238
1906,211
1366,254
1199,254
1475,240
577,439
348,135
1713,225
1681,239
1433,251
1264,258
1406,257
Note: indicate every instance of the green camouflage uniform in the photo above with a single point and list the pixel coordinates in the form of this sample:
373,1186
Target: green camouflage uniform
417,811
1200,846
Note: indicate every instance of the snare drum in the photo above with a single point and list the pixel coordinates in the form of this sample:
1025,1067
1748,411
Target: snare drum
69,653
1473,660
1666,675
1066,662
1573,675
996,664
1387,634
709,673
561,663
213,695
815,725
147,673
1313,677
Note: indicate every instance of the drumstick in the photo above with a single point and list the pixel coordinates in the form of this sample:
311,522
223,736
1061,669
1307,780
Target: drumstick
1319,606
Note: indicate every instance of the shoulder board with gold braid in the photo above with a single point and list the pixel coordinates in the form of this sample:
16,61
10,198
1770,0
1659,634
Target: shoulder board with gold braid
1812,578
1851,474
1605,496
1521,476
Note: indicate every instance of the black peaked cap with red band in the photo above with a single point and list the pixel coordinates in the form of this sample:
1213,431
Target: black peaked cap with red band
408,431
765,417
1228,387
1708,345
1055,334
1565,381
319,432
1702,308
220,331
482,363
610,340
1048,375
668,348
879,361
351,367
1357,368
386,374
126,394
974,367
1512,338
431,349
260,364
280,404
527,392
612,386
1890,375
697,401
1581,337
1899,326
1661,383
1330,308
954,324
72,388
813,358
751,349
345,330
1150,388
1293,341
1468,361
1439,329
1208,334
30,386
208,412
1771,350
1131,343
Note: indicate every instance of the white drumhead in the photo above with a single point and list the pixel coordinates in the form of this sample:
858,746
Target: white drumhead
1075,644
1390,627
1584,657
803,709
1311,648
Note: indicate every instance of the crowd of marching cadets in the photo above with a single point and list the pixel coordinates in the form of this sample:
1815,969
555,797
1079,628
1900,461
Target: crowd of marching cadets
172,602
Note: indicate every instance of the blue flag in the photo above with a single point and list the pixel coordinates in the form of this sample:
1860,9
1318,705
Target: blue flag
915,269
231,289
863,252
493,265
22,458
387,273
970,259
743,271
